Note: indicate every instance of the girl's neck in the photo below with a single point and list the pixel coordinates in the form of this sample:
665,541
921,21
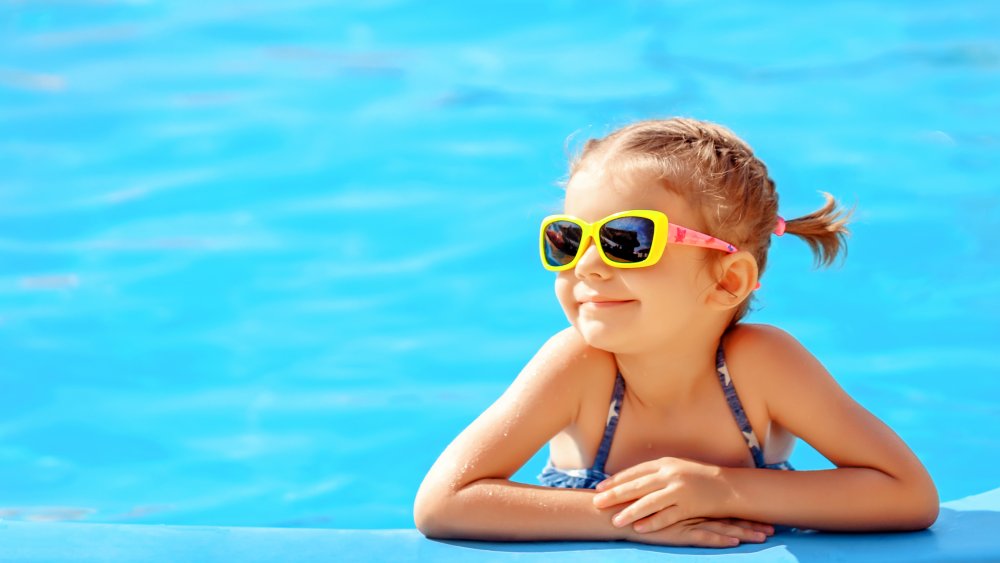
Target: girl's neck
671,374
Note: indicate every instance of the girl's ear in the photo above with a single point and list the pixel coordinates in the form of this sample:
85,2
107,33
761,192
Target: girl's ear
736,278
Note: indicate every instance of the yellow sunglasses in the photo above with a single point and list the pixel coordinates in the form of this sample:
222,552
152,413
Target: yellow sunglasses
628,239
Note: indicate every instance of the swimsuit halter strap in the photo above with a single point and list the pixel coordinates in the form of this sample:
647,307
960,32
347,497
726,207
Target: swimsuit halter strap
737,407
609,430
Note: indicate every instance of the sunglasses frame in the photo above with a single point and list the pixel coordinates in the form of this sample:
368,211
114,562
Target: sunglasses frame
663,230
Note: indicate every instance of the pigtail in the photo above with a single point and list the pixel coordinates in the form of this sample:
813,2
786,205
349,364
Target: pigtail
824,230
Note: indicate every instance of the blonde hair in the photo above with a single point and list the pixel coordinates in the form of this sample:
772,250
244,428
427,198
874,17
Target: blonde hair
717,173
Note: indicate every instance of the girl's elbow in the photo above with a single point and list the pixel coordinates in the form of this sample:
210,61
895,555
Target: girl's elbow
926,511
427,519
930,517
431,511
929,512
916,502
917,520
427,511
933,503
425,523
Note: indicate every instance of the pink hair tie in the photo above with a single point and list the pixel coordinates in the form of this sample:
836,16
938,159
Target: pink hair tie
780,229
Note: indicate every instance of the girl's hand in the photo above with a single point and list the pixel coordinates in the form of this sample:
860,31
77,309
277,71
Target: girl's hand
706,532
665,491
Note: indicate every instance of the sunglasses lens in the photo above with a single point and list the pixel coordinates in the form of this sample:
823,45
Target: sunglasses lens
562,241
627,239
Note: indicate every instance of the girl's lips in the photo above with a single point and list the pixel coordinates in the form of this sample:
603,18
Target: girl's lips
606,304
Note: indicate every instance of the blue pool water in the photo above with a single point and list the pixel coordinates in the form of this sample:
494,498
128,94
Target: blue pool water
261,261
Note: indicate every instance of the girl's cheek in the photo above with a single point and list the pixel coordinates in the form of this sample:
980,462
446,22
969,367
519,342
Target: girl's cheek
564,293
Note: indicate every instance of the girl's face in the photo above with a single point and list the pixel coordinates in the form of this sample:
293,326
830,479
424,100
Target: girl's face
642,306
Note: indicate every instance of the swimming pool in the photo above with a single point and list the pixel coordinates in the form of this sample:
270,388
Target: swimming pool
199,323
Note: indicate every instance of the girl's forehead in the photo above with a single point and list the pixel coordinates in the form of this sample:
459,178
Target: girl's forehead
592,196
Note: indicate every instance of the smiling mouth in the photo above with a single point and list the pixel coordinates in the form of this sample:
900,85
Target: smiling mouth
606,304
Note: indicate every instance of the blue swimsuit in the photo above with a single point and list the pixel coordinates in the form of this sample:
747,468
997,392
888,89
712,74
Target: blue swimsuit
552,476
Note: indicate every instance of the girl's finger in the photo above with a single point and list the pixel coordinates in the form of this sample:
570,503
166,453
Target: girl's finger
708,538
732,530
637,487
750,524
625,476
656,506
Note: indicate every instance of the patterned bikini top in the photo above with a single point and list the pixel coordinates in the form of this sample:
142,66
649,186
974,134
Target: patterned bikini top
588,478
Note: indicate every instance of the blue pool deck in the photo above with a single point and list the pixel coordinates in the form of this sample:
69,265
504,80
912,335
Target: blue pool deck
964,531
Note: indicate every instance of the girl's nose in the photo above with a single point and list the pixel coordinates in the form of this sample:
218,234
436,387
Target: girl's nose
590,264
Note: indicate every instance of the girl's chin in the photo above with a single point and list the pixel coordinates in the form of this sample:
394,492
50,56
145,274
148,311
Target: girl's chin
603,337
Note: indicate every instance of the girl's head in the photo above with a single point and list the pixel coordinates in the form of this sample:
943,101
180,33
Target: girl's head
702,176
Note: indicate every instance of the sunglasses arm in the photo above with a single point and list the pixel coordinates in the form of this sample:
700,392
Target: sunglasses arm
690,237
683,235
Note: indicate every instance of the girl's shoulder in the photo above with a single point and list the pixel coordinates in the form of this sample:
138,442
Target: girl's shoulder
568,346
778,370
757,336
541,401
760,353
760,344
588,371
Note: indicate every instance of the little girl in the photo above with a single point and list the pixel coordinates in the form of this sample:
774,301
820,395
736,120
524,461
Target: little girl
665,235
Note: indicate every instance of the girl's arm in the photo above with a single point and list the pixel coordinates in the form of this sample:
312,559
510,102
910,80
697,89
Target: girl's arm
467,492
879,484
